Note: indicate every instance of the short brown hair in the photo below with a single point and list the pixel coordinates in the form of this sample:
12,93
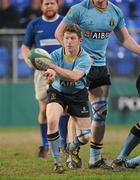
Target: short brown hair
74,28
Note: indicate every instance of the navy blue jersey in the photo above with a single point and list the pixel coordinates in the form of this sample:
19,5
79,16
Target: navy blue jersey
40,34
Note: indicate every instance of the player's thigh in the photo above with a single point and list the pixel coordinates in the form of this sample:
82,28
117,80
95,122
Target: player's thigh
82,122
80,114
40,85
99,92
54,111
98,82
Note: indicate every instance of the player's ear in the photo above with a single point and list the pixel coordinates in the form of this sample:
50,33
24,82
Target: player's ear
81,39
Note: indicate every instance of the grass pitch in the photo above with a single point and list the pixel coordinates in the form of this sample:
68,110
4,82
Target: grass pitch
18,157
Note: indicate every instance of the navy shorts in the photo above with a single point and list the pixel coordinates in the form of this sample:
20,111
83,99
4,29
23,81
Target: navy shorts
138,84
98,76
74,104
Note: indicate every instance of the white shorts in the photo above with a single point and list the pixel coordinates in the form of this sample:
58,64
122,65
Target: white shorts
40,85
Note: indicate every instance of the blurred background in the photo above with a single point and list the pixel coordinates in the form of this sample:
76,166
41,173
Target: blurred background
18,106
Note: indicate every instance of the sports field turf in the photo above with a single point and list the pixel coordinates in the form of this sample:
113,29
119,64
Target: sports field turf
18,157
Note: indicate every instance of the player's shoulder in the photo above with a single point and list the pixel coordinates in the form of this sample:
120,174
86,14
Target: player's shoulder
60,17
57,53
84,54
114,7
35,21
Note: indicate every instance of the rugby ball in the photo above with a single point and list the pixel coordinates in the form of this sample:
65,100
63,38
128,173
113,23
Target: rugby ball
39,59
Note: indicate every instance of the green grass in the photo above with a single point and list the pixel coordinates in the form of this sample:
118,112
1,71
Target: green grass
18,157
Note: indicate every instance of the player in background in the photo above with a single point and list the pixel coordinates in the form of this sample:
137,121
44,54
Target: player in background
97,20
131,142
68,93
40,34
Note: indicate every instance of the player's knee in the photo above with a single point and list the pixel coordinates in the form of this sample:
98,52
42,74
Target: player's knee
52,124
83,135
99,111
135,130
138,84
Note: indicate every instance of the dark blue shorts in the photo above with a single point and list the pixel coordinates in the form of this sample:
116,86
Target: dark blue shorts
98,76
74,104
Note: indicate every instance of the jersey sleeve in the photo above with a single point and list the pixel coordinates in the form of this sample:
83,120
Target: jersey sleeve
73,15
121,22
28,39
83,64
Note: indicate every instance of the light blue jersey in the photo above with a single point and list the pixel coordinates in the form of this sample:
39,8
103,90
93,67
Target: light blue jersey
40,33
96,27
81,62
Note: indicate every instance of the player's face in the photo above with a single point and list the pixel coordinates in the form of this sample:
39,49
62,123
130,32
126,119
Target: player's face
49,8
71,41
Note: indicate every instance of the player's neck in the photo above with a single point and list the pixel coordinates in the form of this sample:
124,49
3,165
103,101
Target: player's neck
100,5
72,52
50,19
71,55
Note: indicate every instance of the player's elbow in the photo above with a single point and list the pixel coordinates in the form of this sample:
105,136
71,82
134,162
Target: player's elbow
57,35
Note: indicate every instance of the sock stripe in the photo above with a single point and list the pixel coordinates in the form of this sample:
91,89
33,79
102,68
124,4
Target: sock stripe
135,130
96,145
138,126
53,137
80,143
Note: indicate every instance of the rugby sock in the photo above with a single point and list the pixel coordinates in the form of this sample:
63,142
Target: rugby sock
133,162
63,122
43,129
75,144
132,141
95,152
54,144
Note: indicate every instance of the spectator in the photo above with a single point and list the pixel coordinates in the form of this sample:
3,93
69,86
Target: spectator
30,12
132,9
9,16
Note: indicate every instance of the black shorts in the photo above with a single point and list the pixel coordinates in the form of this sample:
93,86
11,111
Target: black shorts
138,84
98,76
74,104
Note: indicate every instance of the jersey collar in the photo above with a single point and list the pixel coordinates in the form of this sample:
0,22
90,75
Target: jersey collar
51,20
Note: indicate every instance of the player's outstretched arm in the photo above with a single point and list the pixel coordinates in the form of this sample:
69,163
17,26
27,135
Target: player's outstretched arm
74,75
59,32
127,41
25,52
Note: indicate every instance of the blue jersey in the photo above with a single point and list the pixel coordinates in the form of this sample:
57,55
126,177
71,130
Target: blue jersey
40,34
96,27
81,62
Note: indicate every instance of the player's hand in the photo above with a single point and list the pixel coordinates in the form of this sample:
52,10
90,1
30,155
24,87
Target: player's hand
50,76
28,63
